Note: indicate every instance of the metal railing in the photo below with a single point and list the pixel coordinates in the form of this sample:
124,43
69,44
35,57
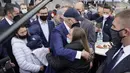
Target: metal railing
9,31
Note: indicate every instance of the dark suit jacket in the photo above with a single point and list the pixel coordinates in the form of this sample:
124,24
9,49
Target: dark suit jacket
35,29
58,42
3,52
106,28
4,25
121,67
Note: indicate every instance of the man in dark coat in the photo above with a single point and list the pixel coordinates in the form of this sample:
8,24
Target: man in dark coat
118,57
42,27
105,23
11,11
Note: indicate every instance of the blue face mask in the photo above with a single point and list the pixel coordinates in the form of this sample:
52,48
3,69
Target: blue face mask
68,40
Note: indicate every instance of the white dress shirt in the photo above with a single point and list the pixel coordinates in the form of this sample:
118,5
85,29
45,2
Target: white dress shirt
101,33
103,23
125,54
9,21
78,55
45,29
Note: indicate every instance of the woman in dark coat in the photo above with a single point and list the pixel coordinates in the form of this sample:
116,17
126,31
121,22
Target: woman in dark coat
77,40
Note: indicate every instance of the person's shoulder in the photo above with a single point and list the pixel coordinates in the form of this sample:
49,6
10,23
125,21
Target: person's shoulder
34,25
87,22
58,28
51,22
95,14
35,21
3,20
112,18
16,40
76,45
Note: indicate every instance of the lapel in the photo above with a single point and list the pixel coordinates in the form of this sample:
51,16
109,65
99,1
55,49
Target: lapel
50,28
4,25
64,30
108,22
5,22
41,32
123,66
111,53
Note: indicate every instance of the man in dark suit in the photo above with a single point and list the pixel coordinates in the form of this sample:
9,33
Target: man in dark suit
118,57
59,38
106,23
42,27
11,11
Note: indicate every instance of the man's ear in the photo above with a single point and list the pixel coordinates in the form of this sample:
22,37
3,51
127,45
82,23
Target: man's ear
127,31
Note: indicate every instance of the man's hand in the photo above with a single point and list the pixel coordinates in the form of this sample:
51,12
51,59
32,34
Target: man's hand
41,68
9,65
85,55
97,29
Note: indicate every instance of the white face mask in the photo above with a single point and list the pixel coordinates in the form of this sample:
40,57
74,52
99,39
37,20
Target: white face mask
68,40
105,16
24,11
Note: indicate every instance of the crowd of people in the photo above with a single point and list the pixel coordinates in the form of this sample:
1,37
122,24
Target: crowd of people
63,40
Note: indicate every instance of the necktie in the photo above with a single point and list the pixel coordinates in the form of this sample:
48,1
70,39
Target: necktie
109,67
103,23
